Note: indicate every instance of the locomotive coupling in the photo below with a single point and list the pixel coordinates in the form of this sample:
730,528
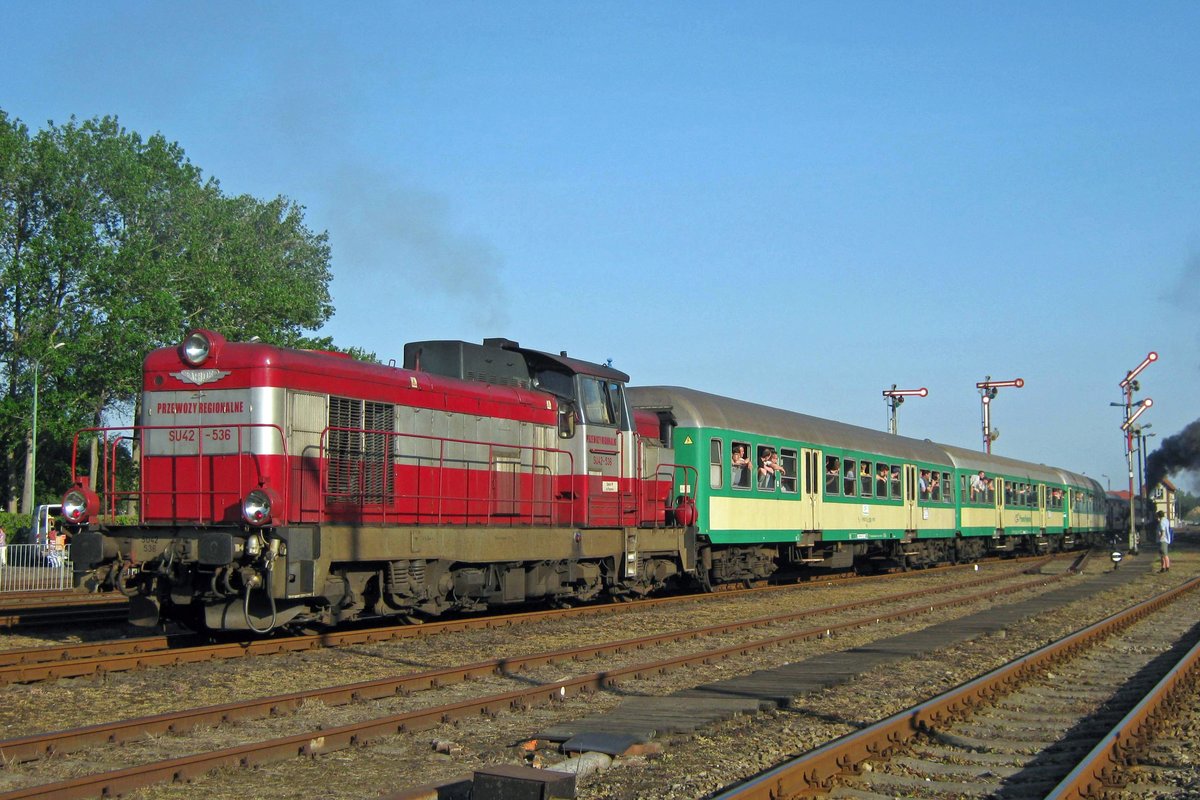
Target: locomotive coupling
251,578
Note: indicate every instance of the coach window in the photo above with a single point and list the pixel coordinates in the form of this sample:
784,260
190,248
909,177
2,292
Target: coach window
740,467
895,482
788,478
881,480
864,478
947,488
849,478
716,474
833,472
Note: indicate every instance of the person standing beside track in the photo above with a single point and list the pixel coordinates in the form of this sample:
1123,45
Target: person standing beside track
1163,526
3,547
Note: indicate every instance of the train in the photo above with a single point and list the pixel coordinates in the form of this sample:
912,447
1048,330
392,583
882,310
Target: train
280,488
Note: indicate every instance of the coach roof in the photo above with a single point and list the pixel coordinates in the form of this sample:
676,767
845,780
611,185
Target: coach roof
696,409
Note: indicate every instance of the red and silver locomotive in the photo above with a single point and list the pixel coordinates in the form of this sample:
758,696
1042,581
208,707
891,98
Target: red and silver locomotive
288,487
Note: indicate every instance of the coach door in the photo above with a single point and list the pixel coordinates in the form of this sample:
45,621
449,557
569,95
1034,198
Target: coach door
811,461
1039,513
910,497
999,503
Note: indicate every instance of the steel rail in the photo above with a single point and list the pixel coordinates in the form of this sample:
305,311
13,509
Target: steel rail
32,747
816,772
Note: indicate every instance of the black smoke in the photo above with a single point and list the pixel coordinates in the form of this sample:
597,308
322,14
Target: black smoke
1177,453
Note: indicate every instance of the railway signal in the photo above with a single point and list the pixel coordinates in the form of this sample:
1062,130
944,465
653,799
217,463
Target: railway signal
987,391
894,398
1129,384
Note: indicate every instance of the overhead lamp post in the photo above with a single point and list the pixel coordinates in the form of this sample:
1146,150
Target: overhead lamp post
894,398
1129,385
31,474
987,392
1107,481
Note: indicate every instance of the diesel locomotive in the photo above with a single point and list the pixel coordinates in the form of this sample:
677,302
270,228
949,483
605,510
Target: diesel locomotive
278,487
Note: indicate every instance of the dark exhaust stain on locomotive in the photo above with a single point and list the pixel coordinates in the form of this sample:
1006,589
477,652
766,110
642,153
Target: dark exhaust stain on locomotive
1177,453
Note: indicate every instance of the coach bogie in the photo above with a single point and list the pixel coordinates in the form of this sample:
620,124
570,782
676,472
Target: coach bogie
741,564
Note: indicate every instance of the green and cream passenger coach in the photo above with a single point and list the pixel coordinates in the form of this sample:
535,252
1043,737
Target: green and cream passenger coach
780,490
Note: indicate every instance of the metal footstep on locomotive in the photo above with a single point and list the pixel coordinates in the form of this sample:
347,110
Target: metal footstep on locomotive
639,719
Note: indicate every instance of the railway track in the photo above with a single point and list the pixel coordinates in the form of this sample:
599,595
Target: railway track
27,610
32,665
1060,722
332,738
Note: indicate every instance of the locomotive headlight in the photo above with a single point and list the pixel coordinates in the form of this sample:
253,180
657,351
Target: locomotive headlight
258,505
78,505
196,349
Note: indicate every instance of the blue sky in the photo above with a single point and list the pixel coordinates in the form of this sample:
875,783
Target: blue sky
798,204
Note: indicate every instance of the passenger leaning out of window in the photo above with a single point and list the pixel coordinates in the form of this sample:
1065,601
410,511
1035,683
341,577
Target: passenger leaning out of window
768,468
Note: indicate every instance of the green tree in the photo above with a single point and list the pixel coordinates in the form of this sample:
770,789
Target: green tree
113,245
1186,503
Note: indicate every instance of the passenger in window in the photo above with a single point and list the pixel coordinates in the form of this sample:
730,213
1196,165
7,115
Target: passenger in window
923,484
740,466
935,487
864,479
832,474
978,486
881,481
768,468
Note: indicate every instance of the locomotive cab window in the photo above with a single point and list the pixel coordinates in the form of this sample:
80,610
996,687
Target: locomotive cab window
603,401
